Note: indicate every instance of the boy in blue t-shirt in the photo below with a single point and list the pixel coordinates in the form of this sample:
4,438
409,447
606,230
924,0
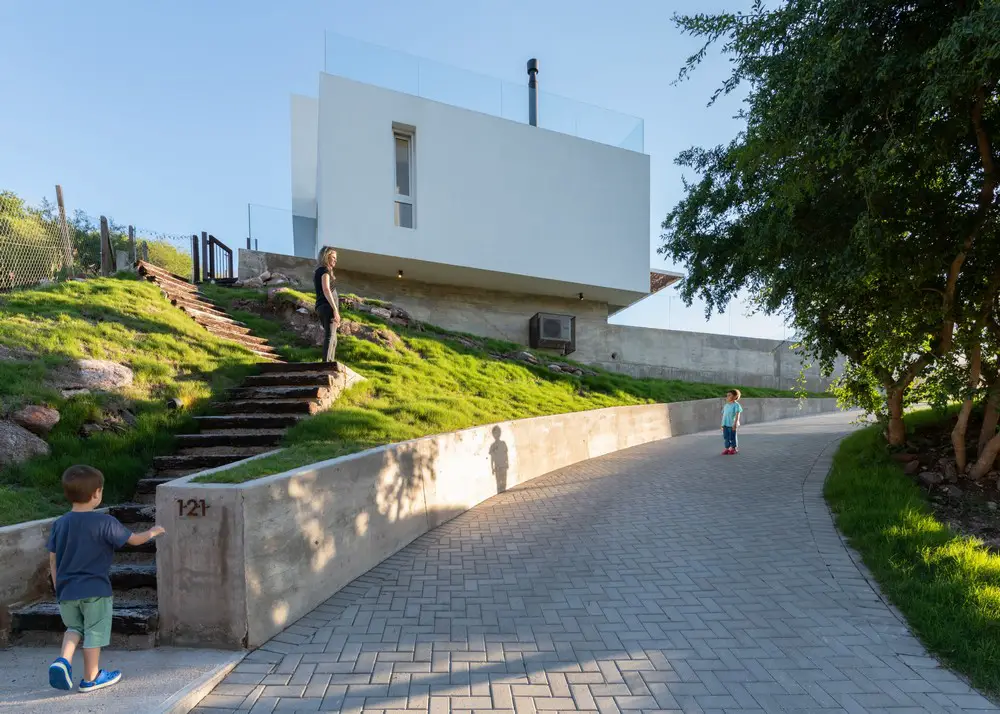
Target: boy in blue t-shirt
81,547
731,411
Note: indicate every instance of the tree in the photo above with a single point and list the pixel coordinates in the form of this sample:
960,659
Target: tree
862,196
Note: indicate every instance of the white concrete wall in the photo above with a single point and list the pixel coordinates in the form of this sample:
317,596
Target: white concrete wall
305,140
283,544
489,193
24,566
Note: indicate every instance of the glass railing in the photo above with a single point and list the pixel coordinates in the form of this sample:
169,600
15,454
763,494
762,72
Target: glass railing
382,67
270,229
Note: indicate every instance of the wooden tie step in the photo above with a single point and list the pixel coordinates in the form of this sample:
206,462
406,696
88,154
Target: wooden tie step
248,421
307,392
290,367
128,618
232,437
270,406
291,379
197,459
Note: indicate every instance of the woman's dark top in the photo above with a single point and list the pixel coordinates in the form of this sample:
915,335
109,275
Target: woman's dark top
318,281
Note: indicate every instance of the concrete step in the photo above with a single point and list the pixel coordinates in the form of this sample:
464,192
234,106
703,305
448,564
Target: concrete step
290,379
231,437
248,421
268,406
290,367
129,618
318,392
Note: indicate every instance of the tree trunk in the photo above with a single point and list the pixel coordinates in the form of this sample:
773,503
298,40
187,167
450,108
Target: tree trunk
987,456
991,416
897,429
962,425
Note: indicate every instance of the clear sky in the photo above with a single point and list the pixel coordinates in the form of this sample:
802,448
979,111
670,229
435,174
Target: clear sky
173,116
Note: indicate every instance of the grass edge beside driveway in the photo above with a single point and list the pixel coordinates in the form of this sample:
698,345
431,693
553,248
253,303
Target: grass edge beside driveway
946,585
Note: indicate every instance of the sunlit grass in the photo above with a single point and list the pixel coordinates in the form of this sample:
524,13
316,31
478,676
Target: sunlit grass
119,319
433,384
947,585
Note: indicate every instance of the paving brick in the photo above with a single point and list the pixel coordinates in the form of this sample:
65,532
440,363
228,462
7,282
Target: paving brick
663,578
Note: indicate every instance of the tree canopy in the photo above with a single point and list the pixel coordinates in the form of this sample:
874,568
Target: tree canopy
861,199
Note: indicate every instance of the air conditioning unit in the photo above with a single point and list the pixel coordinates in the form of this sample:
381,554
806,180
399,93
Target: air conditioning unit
553,332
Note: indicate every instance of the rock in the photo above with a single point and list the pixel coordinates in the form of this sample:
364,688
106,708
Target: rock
36,419
992,505
128,417
277,281
302,310
904,457
377,335
17,444
91,374
238,284
911,467
953,491
523,356
381,312
254,283
950,471
88,430
555,368
399,313
931,478
265,276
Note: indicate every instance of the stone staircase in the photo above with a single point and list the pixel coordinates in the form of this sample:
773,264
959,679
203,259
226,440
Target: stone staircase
251,420
188,298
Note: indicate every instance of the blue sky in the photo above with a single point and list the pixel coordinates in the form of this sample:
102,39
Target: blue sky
173,116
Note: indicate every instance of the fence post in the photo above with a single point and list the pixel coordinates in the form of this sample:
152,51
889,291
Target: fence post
64,227
107,258
195,260
132,248
206,269
145,251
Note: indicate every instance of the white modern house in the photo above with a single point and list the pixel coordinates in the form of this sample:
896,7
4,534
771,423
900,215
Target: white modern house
491,208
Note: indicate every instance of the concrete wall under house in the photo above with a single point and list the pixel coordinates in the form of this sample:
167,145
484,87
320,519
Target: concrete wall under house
636,351
264,553
24,566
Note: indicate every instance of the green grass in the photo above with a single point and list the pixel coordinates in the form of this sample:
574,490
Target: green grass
120,319
434,384
947,585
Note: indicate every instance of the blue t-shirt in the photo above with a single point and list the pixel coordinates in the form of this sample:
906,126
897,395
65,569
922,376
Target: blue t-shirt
84,543
729,412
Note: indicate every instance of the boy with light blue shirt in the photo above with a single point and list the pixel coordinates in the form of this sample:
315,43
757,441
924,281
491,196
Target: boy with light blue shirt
731,411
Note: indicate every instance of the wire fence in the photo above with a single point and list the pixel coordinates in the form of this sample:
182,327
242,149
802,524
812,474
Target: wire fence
35,245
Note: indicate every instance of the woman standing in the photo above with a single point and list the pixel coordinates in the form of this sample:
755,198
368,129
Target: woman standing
327,301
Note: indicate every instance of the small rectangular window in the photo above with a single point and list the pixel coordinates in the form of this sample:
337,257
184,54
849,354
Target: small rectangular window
404,179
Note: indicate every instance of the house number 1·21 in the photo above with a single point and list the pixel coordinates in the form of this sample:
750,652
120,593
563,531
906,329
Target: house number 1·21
191,507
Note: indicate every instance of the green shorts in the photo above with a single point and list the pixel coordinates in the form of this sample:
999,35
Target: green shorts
90,618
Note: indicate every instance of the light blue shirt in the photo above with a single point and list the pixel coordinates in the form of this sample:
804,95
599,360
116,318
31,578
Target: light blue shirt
729,412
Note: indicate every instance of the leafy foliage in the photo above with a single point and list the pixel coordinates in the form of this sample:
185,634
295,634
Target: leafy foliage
861,198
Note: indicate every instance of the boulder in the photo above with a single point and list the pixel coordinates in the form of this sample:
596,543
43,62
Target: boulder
953,491
36,419
931,478
91,374
253,283
265,276
911,467
17,444
555,368
523,356
381,312
904,457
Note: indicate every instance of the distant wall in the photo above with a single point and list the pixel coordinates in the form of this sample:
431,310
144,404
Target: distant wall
283,544
637,351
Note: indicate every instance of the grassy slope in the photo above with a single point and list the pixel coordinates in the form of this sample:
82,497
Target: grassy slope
947,586
435,384
123,320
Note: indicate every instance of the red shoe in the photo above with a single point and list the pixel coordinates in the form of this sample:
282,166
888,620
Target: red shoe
727,452
734,451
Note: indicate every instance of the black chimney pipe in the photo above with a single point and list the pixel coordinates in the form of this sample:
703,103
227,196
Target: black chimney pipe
533,92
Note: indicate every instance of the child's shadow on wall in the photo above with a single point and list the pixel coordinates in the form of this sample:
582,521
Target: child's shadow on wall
499,460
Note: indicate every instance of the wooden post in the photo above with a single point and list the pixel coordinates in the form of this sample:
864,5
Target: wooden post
145,251
195,260
132,247
64,228
205,269
107,258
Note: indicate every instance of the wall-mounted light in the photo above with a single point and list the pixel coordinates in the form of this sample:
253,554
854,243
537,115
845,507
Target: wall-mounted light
581,296
400,275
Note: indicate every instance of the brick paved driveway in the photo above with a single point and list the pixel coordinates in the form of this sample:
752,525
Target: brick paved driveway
663,578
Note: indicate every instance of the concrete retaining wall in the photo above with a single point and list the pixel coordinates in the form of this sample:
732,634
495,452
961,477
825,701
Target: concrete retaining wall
24,566
242,562
636,351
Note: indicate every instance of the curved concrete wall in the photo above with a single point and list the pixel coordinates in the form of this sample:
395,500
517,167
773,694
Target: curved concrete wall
242,562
